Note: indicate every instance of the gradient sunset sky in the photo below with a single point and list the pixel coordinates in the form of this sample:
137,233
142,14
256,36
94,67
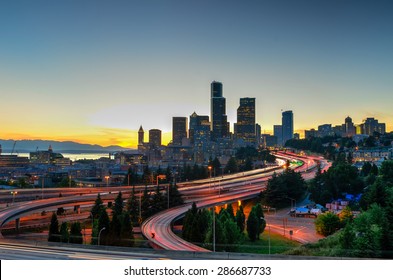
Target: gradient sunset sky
94,71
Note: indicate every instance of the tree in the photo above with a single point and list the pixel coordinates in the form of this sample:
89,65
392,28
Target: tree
261,218
102,222
175,197
387,171
158,202
64,233
345,216
76,233
347,237
231,166
252,225
126,233
229,210
54,234
118,205
280,188
132,207
327,224
240,219
98,207
146,204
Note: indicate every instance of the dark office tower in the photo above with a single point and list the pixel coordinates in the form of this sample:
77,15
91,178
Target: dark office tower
219,125
141,135
245,126
195,122
277,132
350,129
179,130
155,137
258,134
287,126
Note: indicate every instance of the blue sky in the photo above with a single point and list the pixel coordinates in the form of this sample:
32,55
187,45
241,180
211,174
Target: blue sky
93,71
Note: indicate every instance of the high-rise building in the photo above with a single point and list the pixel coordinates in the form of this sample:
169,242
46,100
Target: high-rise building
179,130
350,129
325,130
277,132
287,126
155,137
258,133
141,135
245,126
195,122
219,124
371,125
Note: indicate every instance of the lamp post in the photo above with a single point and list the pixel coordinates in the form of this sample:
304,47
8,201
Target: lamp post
13,196
210,180
269,232
214,228
99,235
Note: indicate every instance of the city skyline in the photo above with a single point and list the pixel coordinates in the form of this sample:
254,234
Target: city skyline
95,73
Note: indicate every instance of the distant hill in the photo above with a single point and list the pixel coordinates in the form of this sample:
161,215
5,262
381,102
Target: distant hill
25,146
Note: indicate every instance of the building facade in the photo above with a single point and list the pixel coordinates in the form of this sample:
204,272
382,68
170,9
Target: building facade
287,126
179,130
245,126
219,123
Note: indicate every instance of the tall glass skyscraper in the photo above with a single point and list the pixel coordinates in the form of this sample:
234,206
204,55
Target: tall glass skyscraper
219,124
287,126
245,126
179,130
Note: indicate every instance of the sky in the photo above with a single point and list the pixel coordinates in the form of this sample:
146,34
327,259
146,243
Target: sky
94,71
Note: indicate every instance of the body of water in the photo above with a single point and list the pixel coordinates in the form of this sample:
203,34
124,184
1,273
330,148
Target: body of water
71,156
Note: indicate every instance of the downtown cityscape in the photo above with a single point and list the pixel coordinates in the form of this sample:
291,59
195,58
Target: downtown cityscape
196,130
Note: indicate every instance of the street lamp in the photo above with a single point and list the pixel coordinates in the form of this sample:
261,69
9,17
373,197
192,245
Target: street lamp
210,180
99,235
13,196
269,231
214,228
107,180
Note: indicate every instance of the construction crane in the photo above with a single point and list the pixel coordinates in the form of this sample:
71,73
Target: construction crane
13,148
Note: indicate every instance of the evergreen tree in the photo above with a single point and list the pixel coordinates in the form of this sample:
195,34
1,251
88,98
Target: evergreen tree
231,166
158,202
76,233
230,211
261,218
126,233
252,225
98,207
64,233
146,204
132,207
119,204
102,222
240,219
54,234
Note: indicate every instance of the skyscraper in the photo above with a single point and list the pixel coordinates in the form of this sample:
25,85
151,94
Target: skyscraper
141,135
245,126
155,137
195,122
277,132
350,129
179,130
287,126
219,125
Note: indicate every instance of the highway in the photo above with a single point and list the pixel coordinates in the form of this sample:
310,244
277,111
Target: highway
160,224
207,193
